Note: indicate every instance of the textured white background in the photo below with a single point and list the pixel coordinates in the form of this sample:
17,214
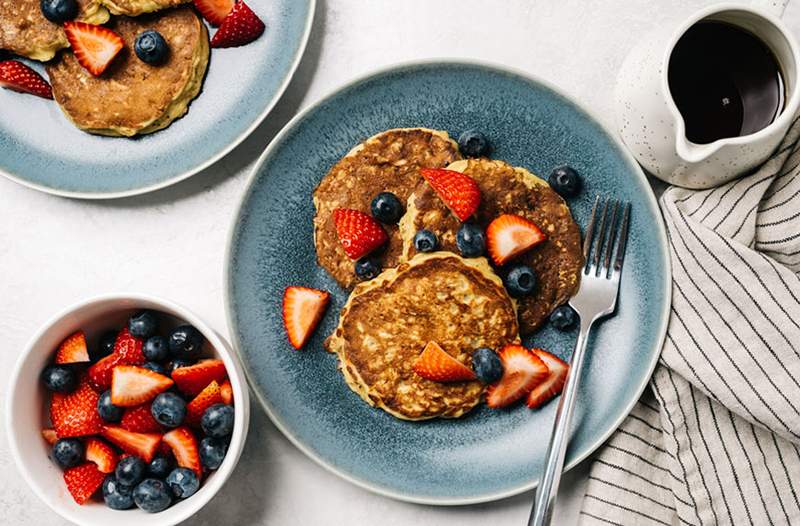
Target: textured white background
55,251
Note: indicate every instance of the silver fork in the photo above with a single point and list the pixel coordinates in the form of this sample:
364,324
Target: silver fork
596,298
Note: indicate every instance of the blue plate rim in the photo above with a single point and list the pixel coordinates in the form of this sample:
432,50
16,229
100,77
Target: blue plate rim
211,160
275,144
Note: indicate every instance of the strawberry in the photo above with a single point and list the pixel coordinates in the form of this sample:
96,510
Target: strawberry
509,235
207,397
75,414
553,384
522,371
127,351
50,436
101,454
73,349
302,310
94,46
143,445
214,11
458,191
358,232
226,392
140,419
16,76
184,446
240,27
83,481
194,378
435,364
131,385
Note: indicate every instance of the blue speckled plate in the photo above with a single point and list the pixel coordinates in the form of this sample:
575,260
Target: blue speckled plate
42,149
488,454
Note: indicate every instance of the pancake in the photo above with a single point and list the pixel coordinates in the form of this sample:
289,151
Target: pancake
385,324
25,31
132,97
386,162
138,7
509,190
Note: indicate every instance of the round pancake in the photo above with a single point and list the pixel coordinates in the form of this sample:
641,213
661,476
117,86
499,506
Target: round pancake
132,97
385,324
138,7
508,190
25,31
386,162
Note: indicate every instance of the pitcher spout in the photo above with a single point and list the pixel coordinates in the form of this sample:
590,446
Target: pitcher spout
692,153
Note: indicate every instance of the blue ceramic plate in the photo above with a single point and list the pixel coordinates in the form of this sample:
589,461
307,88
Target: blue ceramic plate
42,149
489,454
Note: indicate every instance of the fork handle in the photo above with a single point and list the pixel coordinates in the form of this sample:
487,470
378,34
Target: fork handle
545,499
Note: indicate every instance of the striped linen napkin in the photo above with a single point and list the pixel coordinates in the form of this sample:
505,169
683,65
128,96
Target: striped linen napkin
714,440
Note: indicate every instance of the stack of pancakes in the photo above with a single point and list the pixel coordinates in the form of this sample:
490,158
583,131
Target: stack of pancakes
459,303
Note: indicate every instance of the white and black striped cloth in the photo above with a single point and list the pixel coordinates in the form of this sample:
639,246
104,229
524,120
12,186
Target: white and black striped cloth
715,438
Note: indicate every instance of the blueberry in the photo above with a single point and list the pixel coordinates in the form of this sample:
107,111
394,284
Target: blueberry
116,495
212,452
107,410
520,281
130,471
104,347
473,143
185,343
471,240
157,368
60,378
386,208
565,181
68,452
58,11
150,47
156,349
563,318
160,467
177,364
152,495
217,421
487,365
143,324
425,241
168,409
183,482
367,268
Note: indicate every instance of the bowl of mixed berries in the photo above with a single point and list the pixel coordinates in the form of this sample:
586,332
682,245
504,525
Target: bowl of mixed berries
127,405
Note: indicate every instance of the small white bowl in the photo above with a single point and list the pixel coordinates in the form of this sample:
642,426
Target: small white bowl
26,410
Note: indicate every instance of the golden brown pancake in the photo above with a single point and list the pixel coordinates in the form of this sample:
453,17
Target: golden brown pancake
138,7
132,97
387,162
509,190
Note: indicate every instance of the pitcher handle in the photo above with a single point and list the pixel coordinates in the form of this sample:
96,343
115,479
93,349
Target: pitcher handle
775,7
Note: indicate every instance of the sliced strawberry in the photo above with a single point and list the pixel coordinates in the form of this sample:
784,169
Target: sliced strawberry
140,419
132,386
553,384
143,445
207,397
50,436
522,371
83,481
240,27
94,46
509,235
127,351
458,191
193,379
101,454
184,446
302,310
214,11
73,349
358,232
226,392
435,364
75,414
16,76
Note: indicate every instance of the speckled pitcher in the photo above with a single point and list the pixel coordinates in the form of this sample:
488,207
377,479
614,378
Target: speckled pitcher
652,127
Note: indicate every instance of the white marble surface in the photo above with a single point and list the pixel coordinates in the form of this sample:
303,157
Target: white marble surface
55,251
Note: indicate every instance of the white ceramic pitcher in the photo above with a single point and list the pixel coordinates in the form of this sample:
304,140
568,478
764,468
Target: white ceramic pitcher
652,127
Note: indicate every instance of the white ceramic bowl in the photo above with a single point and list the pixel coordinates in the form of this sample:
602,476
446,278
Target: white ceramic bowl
26,409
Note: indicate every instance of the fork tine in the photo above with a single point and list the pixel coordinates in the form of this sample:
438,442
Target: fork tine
587,239
612,237
601,235
623,239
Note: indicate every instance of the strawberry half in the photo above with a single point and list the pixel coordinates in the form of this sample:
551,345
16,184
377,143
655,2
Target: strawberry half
522,371
358,232
435,364
101,454
16,76
458,191
132,386
509,235
302,310
226,392
73,349
240,27
83,481
140,419
214,11
553,384
127,351
143,445
94,46
75,414
50,436
193,379
184,446
207,397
